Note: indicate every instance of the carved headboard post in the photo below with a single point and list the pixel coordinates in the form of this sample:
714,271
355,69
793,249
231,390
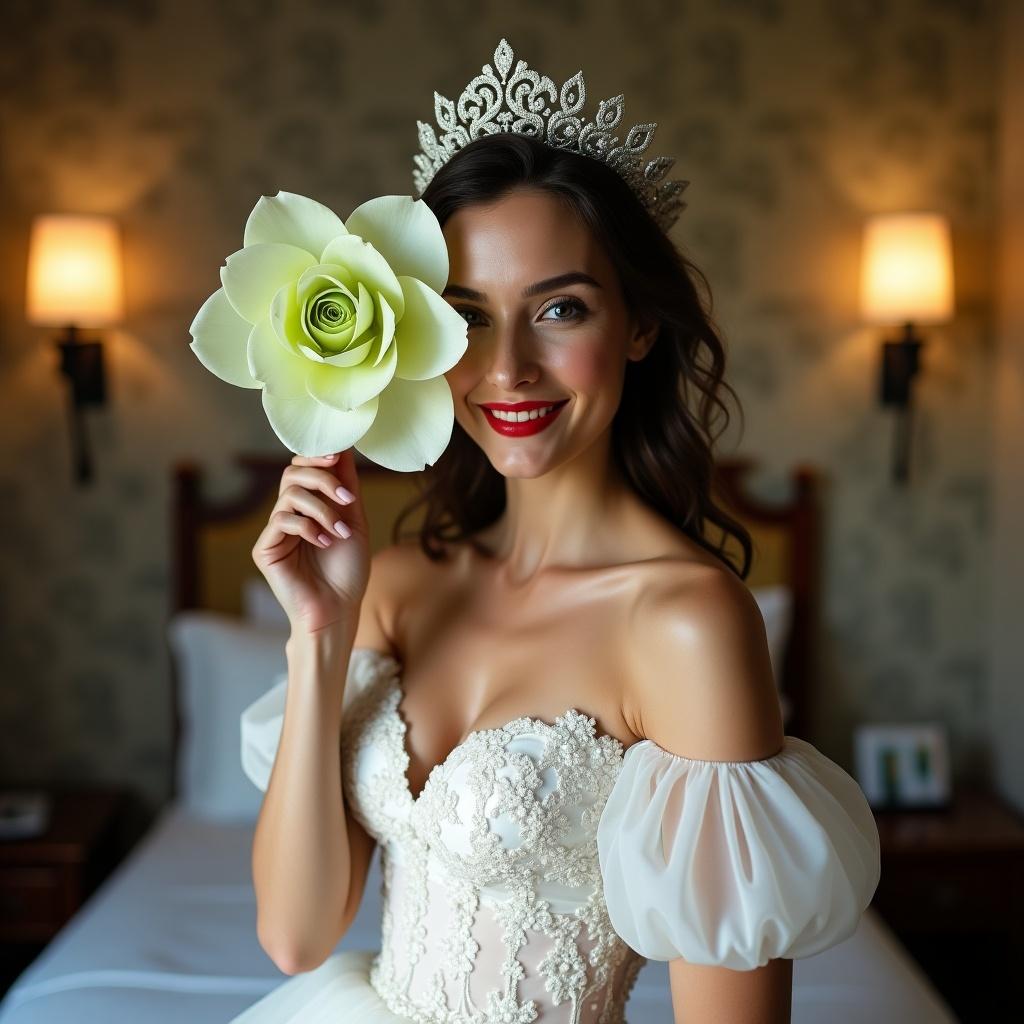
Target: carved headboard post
804,571
186,524
796,561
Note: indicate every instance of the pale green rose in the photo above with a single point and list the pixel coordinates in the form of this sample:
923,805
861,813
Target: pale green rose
342,325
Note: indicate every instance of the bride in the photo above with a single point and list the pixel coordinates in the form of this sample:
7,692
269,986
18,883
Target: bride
554,710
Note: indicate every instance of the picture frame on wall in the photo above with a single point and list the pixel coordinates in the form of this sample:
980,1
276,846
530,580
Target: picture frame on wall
904,765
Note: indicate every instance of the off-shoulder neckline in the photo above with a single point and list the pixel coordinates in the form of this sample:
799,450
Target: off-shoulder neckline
787,748
521,723
546,727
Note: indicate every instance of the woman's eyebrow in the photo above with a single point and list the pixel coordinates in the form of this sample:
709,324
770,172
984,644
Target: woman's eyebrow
572,277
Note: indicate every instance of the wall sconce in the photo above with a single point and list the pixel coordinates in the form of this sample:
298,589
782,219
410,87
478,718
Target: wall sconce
906,277
74,281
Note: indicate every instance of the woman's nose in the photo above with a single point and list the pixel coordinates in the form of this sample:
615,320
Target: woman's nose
511,358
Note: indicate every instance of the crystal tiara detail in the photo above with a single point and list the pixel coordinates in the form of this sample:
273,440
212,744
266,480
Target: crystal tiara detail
523,103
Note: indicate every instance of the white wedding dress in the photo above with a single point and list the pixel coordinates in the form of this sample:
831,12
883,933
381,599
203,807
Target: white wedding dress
542,863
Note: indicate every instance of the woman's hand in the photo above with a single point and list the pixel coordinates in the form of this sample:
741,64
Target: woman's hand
317,573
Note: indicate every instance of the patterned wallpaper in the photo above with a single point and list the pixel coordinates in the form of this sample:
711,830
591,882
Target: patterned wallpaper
793,119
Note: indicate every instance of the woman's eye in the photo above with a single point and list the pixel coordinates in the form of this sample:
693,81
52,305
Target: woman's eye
564,309
471,312
574,307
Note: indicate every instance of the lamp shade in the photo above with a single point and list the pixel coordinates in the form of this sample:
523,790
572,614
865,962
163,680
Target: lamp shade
74,271
907,269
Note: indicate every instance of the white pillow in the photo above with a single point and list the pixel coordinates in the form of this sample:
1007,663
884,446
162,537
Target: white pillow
776,604
260,604
223,664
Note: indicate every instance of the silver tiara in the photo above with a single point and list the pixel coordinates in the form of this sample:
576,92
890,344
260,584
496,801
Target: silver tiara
522,103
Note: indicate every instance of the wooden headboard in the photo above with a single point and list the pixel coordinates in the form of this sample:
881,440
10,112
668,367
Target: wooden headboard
213,540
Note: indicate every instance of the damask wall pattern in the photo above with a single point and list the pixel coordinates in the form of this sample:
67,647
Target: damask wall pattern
793,119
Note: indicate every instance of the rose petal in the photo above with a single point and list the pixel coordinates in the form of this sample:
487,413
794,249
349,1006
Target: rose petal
364,311
308,428
348,387
252,276
407,234
431,336
293,219
330,339
219,339
311,353
332,272
284,317
282,371
332,335
387,328
332,344
413,425
352,356
365,264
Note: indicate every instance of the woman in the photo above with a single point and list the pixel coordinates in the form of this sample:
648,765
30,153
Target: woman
558,717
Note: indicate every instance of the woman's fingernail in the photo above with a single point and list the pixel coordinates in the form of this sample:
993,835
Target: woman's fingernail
345,494
342,528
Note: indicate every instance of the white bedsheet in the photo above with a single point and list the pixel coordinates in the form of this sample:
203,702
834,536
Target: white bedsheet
170,936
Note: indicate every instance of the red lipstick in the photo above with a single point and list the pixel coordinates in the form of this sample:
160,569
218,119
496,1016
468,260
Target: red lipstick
522,428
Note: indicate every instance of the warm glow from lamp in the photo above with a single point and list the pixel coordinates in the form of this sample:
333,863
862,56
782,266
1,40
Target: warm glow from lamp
74,271
907,269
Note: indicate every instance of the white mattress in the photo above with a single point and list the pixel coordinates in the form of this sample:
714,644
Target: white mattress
170,936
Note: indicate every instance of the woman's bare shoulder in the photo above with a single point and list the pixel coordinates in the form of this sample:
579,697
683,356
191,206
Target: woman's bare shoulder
650,539
404,566
400,573
389,574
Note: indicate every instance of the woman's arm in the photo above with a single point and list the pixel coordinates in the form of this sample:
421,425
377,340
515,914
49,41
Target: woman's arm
301,858
310,857
718,995
703,688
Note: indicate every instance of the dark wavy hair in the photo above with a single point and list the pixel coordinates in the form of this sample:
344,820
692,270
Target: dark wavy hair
661,436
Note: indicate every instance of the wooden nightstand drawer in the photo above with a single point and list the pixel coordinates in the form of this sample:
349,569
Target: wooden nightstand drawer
33,902
44,879
952,895
952,888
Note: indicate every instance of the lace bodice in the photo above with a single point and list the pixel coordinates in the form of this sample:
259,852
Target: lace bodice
492,900
502,878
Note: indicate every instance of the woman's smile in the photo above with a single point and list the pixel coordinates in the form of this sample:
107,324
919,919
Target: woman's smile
523,418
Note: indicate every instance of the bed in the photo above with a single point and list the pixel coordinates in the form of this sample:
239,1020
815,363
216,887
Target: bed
170,936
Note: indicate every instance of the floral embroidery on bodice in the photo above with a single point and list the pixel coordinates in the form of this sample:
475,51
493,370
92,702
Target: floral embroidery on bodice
493,906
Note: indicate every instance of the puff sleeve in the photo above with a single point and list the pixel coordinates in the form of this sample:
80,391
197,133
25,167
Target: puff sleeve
734,863
262,720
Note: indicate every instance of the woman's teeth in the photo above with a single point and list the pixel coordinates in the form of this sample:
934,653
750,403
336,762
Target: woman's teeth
518,417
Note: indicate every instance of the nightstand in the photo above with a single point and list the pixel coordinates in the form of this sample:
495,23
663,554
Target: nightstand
45,879
952,888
